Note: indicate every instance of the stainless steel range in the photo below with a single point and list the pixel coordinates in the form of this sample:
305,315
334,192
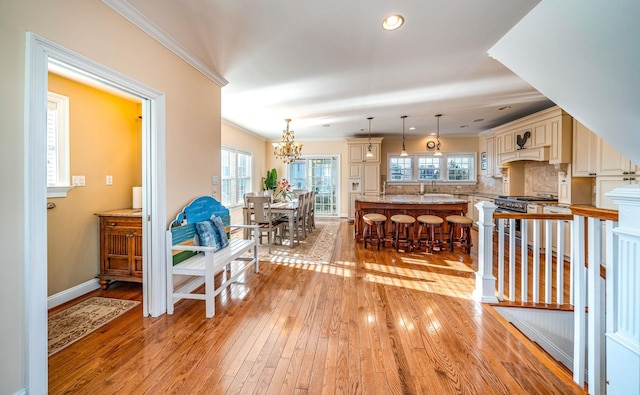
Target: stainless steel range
518,204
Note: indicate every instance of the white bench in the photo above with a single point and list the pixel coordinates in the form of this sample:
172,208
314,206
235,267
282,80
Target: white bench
201,263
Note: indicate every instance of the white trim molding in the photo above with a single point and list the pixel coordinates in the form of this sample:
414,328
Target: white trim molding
72,293
134,16
39,54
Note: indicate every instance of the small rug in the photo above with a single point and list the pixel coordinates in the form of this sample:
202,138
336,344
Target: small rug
317,248
74,323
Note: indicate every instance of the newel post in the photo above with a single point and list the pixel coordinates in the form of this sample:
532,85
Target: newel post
485,291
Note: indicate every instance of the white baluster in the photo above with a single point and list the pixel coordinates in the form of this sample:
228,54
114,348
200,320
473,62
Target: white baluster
524,259
579,300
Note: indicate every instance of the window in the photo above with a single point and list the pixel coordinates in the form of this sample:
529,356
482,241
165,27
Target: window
401,168
236,175
459,167
450,167
429,168
57,145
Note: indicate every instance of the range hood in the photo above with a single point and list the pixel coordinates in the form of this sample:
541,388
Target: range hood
540,154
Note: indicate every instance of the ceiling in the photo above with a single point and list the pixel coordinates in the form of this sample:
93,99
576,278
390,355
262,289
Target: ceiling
329,65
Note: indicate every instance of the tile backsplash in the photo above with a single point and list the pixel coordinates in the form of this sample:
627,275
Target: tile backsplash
539,178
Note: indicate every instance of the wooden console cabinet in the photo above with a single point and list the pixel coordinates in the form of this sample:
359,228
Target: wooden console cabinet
120,246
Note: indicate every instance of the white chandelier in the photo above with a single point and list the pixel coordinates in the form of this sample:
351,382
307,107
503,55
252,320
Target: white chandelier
287,150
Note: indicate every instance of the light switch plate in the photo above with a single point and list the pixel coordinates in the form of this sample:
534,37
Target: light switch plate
214,180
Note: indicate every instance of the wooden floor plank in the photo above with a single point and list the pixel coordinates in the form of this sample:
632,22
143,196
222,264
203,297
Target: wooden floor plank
369,322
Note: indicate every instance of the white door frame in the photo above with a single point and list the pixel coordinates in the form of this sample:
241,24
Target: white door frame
39,53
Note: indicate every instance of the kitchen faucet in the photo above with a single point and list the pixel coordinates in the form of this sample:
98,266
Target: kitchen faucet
433,186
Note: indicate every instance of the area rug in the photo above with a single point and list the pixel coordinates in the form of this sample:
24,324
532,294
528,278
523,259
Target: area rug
317,248
74,323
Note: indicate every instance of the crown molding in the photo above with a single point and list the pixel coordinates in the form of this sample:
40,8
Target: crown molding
243,129
134,16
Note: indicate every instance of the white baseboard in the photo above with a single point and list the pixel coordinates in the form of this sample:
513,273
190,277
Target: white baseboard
72,293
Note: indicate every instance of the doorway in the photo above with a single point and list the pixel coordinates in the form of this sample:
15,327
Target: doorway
40,53
320,174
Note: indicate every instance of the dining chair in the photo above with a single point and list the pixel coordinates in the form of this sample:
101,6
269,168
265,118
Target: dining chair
311,213
260,214
298,220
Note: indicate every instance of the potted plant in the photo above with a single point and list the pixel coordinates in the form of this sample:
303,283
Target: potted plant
269,182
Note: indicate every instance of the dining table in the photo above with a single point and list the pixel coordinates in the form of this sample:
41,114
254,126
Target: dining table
287,208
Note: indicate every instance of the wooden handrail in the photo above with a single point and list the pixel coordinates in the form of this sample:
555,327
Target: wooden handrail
559,217
594,212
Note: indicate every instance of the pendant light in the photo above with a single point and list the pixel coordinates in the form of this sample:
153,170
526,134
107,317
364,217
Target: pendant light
404,150
369,152
438,152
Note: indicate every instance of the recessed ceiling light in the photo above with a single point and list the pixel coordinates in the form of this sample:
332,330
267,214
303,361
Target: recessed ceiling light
392,22
412,128
478,120
464,126
504,108
326,125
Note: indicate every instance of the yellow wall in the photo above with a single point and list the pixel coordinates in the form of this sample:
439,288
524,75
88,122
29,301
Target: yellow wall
93,30
104,139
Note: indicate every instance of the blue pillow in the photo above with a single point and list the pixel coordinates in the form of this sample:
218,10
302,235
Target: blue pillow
220,235
206,233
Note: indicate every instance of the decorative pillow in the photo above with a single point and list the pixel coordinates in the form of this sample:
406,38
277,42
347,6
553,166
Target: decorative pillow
220,235
206,233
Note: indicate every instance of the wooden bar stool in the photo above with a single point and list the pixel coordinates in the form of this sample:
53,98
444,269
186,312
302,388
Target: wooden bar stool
431,222
370,220
463,225
402,223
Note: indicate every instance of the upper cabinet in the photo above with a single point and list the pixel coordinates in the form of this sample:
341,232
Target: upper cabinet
490,165
584,151
593,156
543,136
610,162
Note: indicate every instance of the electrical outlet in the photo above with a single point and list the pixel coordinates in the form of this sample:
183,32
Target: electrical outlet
78,181
109,180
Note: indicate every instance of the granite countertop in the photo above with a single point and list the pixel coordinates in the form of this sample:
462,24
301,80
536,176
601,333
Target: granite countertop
125,212
428,198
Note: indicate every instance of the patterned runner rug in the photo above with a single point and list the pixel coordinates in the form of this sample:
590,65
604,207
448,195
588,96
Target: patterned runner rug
317,248
74,323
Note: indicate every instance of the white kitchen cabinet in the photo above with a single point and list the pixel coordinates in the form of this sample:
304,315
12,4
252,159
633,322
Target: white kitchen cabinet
611,162
550,138
607,184
363,172
493,169
585,151
561,128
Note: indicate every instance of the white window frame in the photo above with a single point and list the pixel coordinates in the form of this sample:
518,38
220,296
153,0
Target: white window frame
58,141
234,177
444,167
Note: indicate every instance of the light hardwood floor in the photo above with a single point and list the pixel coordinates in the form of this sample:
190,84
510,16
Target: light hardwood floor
370,322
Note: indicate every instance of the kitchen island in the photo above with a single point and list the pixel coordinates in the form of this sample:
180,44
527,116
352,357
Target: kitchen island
438,204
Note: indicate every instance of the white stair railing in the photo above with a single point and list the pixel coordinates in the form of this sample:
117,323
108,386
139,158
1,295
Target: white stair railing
587,285
519,254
